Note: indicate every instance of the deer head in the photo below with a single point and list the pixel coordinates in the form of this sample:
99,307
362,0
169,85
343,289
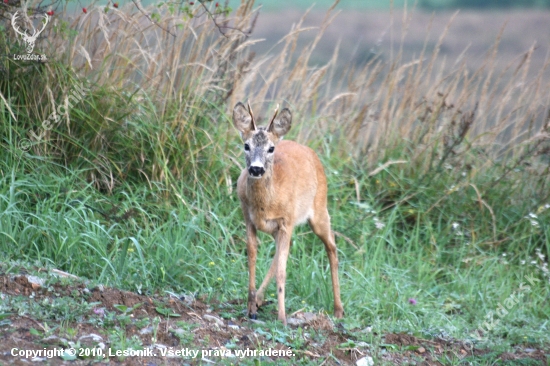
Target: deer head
28,39
260,142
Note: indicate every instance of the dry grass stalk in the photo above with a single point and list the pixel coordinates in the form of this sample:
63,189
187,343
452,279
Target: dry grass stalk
376,106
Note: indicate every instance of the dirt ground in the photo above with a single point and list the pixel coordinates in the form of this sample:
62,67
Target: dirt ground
187,324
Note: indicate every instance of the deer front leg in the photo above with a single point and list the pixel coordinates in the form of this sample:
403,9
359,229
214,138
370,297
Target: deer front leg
251,249
283,246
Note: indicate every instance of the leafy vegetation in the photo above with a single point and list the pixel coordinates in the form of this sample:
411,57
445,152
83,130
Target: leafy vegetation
438,182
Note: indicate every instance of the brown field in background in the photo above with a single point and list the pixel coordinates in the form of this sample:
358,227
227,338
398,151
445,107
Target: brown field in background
470,36
510,85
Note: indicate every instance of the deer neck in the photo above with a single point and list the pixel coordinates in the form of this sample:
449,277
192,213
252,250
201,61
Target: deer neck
261,190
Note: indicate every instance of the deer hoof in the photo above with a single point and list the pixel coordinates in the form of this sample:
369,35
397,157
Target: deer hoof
259,299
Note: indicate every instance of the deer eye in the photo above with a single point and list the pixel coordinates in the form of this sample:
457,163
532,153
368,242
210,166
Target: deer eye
271,149
246,147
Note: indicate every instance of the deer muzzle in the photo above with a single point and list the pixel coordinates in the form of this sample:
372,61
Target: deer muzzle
256,171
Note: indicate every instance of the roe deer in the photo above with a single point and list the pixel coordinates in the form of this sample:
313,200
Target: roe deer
283,185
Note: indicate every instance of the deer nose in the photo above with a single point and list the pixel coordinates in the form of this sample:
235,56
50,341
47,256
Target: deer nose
256,171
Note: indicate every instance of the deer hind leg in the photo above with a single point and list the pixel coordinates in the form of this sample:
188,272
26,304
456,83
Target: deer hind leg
270,274
320,224
261,291
283,247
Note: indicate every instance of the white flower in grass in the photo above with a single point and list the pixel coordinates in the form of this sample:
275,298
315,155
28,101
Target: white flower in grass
543,208
522,263
533,219
379,224
539,254
504,254
452,189
456,226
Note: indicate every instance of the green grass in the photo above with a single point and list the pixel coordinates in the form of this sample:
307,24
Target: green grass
196,244
138,191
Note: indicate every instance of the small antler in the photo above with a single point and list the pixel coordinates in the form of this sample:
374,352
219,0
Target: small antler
35,34
273,118
251,115
14,25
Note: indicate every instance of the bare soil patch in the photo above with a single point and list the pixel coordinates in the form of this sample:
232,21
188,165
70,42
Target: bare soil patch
197,326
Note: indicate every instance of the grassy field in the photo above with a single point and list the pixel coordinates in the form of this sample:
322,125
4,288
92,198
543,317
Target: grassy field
438,193
429,5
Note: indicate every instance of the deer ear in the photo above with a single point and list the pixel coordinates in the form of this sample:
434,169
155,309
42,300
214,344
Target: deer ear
242,119
281,124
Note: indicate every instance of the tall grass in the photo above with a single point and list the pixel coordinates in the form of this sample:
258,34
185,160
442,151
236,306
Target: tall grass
185,83
433,175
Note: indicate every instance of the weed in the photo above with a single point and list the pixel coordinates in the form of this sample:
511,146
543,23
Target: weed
64,309
120,341
184,332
